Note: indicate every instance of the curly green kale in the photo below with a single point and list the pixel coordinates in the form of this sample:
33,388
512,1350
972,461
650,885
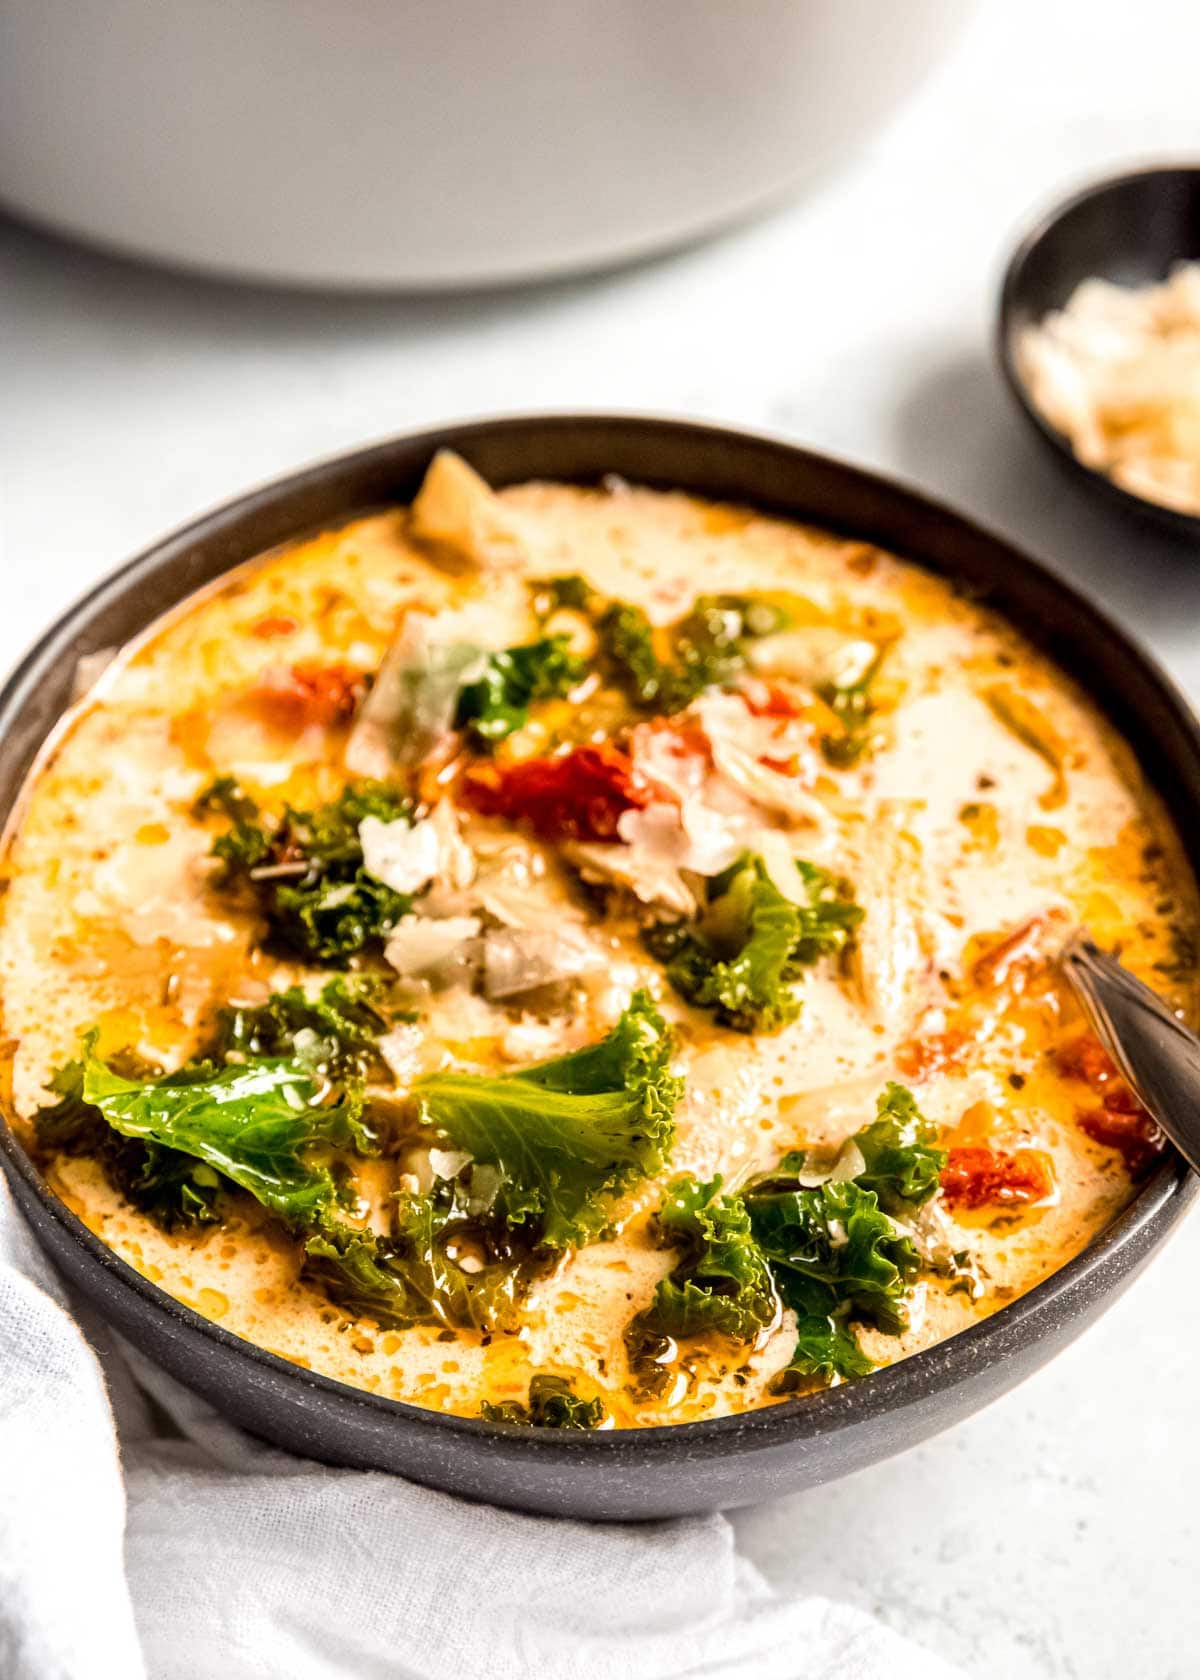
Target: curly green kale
498,702
721,1283
263,1125
173,1189
445,1261
553,1404
834,1255
305,870
548,1147
827,1251
570,592
265,1120
745,954
903,1163
335,1033
704,649
566,1134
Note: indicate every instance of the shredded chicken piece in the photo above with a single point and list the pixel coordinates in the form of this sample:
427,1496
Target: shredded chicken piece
892,953
739,745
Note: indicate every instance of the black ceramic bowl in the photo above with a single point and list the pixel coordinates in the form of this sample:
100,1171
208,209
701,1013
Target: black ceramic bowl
696,1466
1130,230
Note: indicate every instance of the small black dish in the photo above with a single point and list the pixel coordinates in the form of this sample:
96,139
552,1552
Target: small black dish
672,1469
1131,230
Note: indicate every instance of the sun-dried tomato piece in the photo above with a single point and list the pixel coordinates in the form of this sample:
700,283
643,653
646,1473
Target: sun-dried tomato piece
1121,1123
1085,1058
576,795
304,694
976,1177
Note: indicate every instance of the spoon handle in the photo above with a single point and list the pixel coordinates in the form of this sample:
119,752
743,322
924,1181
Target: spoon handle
1156,1053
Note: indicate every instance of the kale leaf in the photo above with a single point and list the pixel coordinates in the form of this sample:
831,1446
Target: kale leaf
630,658
173,1189
553,1404
570,592
548,1145
743,956
498,702
444,1262
829,1252
335,1033
899,1147
664,671
707,648
565,1134
824,1351
305,870
330,1037
720,1284
834,1254
260,1125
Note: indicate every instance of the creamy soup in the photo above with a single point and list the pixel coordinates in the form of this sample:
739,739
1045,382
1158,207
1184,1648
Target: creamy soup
585,957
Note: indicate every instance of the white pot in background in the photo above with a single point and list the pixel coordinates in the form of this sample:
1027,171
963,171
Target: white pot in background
435,142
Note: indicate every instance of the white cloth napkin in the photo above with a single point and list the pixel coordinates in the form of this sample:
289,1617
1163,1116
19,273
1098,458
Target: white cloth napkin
144,1538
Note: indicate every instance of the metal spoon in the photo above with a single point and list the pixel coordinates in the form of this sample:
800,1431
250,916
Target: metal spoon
1157,1054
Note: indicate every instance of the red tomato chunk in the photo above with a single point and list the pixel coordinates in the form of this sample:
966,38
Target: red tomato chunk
577,795
976,1177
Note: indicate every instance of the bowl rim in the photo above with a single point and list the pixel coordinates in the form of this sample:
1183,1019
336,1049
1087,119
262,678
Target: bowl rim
915,1381
1038,229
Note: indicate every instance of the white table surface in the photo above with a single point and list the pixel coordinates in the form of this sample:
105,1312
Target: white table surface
1054,1535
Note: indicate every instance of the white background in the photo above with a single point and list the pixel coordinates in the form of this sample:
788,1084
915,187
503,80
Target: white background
1055,1535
